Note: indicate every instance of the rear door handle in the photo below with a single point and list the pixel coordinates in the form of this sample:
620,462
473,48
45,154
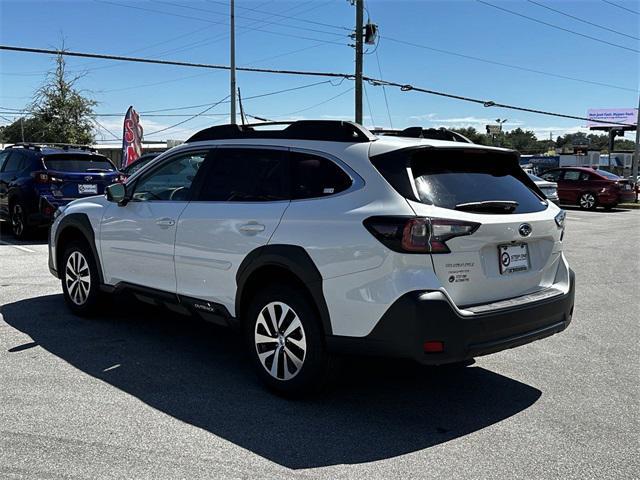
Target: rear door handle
165,222
251,228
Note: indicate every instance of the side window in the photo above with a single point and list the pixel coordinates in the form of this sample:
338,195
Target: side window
172,181
552,176
572,175
3,159
246,175
15,163
314,176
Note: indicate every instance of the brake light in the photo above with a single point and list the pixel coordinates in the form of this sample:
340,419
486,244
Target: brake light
41,177
418,234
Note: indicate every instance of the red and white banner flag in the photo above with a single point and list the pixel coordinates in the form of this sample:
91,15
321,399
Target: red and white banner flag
131,138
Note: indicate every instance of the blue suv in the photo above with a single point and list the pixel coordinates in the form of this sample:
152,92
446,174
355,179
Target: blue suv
36,179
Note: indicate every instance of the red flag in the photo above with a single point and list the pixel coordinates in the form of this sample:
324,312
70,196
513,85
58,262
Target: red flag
131,138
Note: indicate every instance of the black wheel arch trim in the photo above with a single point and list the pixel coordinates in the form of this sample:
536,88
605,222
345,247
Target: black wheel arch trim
80,222
297,261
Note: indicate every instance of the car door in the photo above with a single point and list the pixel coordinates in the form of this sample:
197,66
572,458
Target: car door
137,239
245,192
572,185
4,184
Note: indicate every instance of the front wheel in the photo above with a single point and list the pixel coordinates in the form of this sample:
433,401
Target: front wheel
588,201
286,341
80,283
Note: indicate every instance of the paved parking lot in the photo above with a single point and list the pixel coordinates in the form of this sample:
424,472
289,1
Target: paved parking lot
144,395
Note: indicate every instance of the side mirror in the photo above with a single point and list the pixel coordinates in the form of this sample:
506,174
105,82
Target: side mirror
116,193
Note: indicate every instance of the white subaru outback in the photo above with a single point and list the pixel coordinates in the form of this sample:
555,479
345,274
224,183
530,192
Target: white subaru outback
320,238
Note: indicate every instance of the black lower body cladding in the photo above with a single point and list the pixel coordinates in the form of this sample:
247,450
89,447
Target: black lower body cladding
416,318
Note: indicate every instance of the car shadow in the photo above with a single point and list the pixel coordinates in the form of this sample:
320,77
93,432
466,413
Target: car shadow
197,373
39,237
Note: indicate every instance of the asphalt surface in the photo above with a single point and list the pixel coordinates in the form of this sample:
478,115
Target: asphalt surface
147,395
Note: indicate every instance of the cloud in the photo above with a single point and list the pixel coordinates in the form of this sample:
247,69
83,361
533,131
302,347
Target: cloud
461,122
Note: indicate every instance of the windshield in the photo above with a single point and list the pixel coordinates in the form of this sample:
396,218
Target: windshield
80,163
534,178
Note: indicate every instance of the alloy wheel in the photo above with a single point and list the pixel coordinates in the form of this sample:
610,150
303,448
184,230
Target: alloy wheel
280,341
17,220
78,278
587,200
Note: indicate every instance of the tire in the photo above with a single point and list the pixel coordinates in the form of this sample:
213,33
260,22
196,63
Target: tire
18,216
80,280
295,344
588,201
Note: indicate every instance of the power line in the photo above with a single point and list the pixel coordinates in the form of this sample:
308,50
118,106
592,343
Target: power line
189,7
69,53
188,119
502,64
317,104
582,20
485,103
106,129
277,92
384,90
557,27
373,81
620,6
200,19
297,19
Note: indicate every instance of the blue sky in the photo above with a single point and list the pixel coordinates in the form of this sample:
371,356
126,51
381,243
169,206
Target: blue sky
196,31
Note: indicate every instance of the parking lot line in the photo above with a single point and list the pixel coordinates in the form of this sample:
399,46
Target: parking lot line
19,247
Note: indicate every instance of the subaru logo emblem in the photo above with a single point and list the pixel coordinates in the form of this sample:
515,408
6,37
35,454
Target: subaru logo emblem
88,178
525,230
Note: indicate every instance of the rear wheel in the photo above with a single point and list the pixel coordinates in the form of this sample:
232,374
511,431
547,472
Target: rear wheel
286,341
19,226
587,201
80,283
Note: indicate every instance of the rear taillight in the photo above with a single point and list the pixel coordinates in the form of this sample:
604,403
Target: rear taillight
418,234
41,177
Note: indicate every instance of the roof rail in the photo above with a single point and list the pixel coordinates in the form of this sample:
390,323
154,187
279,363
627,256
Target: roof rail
328,130
63,146
419,132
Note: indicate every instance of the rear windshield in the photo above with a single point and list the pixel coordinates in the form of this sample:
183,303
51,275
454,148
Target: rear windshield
606,174
83,163
462,179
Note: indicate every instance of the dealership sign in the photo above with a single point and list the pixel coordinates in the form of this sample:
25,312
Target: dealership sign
131,138
612,117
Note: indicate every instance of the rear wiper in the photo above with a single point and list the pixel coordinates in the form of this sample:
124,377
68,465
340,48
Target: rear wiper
500,206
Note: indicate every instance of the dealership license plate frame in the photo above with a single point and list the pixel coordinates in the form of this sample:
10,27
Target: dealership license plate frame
520,265
87,189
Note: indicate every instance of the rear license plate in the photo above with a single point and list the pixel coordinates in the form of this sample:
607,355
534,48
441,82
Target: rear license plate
85,188
627,187
513,258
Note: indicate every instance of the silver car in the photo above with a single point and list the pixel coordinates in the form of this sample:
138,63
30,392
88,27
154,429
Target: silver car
550,189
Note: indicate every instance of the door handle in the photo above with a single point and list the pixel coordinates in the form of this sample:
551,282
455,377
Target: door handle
251,228
165,222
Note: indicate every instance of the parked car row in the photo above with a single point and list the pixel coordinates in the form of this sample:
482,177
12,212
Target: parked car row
37,179
589,188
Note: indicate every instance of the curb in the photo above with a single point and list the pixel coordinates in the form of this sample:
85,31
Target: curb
634,206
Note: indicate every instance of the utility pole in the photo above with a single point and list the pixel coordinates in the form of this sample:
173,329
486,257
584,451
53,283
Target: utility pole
232,42
22,128
359,57
636,154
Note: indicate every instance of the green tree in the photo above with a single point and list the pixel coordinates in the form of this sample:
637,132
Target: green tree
59,112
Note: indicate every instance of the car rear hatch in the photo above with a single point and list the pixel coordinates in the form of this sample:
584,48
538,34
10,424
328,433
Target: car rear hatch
71,176
499,235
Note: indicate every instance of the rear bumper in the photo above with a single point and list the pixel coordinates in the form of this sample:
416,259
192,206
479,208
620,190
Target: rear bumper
416,318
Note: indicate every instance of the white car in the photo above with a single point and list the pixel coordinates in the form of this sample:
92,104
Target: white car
550,189
321,238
